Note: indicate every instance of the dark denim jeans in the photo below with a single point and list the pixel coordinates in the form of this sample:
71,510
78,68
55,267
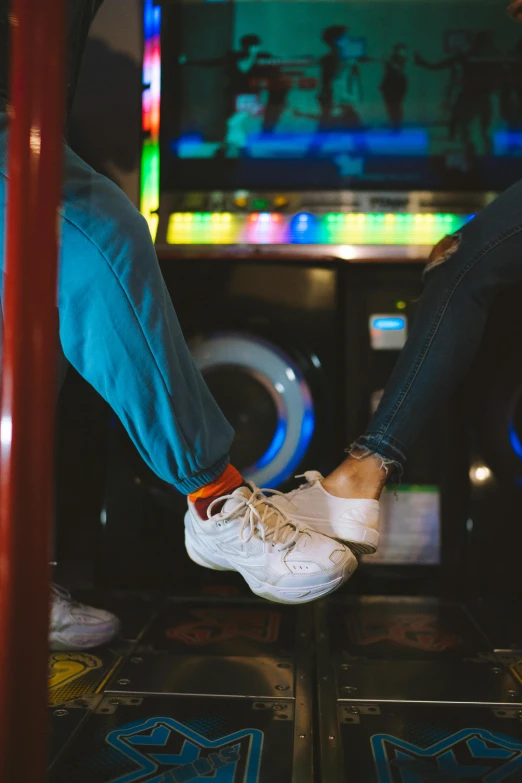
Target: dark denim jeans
80,14
448,328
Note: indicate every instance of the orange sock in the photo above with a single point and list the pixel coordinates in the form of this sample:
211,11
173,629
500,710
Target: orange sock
224,484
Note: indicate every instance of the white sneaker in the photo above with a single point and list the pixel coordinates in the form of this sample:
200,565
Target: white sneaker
281,560
75,626
353,521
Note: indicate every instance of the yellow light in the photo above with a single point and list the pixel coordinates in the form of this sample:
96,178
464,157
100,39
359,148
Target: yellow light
175,230
479,474
347,252
400,305
241,199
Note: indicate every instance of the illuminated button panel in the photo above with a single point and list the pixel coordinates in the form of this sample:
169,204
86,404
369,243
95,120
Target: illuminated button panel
388,332
272,228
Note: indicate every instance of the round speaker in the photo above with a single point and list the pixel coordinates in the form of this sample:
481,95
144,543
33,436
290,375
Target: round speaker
266,397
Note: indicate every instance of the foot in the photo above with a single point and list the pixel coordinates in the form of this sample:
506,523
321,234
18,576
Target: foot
281,560
75,626
354,521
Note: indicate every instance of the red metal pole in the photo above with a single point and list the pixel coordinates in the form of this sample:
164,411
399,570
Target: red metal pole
28,376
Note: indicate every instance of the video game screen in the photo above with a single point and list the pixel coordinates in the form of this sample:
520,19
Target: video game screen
378,94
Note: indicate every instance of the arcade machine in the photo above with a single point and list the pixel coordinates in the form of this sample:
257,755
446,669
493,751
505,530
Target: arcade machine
299,162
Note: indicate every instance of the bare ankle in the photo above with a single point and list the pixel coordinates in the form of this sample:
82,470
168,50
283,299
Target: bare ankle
361,475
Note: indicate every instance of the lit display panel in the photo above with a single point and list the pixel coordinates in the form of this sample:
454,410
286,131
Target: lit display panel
223,228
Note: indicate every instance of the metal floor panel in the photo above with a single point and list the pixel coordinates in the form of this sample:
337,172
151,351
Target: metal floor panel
162,739
210,627
468,682
240,669
221,648
213,676
64,722
406,690
398,743
421,651
411,691
403,629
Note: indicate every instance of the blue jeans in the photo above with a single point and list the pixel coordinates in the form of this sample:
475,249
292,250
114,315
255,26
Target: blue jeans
445,337
119,330
118,327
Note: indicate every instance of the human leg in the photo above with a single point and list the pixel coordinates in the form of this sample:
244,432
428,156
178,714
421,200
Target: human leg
464,275
119,330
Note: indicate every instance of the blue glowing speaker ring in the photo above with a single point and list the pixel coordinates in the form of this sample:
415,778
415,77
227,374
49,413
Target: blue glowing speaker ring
514,437
276,371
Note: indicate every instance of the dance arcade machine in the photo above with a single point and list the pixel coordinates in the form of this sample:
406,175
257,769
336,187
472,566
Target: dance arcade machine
299,161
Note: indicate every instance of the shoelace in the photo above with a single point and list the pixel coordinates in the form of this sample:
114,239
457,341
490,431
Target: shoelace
63,595
283,532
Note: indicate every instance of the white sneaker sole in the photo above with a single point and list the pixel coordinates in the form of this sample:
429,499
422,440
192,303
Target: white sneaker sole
275,593
83,637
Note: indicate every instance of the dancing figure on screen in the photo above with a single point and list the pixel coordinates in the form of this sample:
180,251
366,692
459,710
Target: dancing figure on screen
394,85
341,86
242,92
483,74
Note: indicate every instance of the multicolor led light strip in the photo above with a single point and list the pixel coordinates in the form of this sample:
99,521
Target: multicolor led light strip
149,197
271,228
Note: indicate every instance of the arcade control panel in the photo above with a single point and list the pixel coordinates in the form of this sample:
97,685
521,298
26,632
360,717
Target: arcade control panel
345,224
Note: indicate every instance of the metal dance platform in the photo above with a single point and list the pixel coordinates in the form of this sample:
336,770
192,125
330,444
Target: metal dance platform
369,690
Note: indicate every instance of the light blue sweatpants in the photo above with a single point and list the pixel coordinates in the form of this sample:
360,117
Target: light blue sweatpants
119,330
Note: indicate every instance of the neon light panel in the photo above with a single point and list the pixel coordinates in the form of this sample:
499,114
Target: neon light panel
149,196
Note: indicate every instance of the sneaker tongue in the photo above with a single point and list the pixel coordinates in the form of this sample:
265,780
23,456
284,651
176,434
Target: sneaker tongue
313,475
238,495
268,521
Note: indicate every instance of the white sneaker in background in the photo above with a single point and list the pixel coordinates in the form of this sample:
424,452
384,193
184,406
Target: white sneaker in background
74,626
353,521
281,560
